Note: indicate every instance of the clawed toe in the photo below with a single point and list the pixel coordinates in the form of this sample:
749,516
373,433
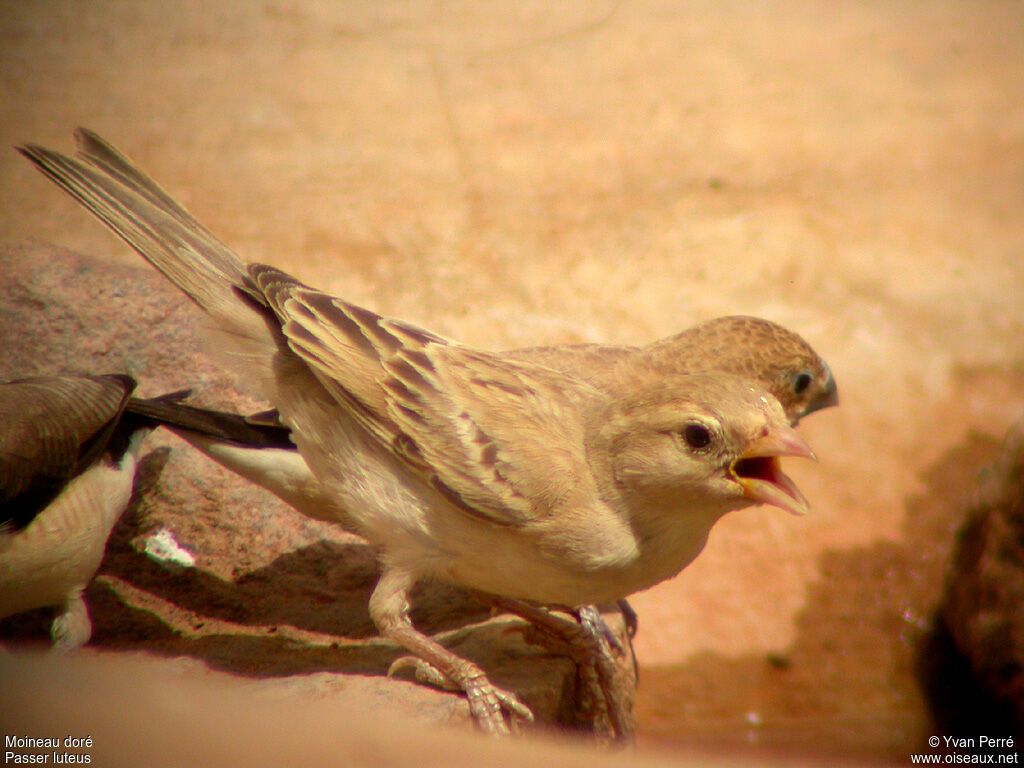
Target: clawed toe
630,617
488,704
424,672
594,625
72,627
590,642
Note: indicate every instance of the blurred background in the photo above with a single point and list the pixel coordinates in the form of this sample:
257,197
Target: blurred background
513,174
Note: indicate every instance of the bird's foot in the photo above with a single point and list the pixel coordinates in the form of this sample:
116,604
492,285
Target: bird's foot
593,623
594,626
72,627
587,640
488,704
424,672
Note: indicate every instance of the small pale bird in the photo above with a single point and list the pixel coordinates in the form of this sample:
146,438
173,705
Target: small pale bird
477,468
68,454
260,448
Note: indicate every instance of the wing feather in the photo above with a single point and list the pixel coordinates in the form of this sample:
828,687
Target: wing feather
54,427
500,439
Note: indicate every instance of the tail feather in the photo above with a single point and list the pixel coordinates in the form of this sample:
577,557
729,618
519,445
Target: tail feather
246,332
161,230
106,157
228,427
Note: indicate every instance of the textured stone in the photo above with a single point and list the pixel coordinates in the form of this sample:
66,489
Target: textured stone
984,606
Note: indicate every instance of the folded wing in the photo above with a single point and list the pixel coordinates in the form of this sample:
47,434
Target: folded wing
472,425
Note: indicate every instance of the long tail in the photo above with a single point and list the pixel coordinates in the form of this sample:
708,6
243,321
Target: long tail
259,431
138,210
257,447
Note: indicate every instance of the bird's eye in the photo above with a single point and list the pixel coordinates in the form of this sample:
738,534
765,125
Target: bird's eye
801,382
697,436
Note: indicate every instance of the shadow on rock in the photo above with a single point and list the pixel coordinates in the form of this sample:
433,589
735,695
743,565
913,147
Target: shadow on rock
850,684
973,663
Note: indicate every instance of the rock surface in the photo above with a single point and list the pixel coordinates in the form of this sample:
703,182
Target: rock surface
273,596
134,711
545,173
983,608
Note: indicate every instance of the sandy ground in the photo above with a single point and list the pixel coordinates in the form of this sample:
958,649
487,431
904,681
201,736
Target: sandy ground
513,174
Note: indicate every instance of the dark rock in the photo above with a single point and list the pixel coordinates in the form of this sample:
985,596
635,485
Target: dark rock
983,612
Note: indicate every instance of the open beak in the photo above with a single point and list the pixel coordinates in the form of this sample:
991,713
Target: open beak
759,473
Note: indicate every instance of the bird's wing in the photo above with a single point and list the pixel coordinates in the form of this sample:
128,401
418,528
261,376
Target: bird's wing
54,427
502,440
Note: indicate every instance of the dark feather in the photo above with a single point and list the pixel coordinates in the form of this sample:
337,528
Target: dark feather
230,427
54,428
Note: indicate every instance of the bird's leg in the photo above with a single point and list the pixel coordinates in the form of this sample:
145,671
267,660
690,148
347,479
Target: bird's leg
434,664
589,615
593,623
72,627
589,642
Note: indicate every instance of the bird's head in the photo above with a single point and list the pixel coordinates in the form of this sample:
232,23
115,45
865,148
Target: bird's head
705,443
778,359
804,386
